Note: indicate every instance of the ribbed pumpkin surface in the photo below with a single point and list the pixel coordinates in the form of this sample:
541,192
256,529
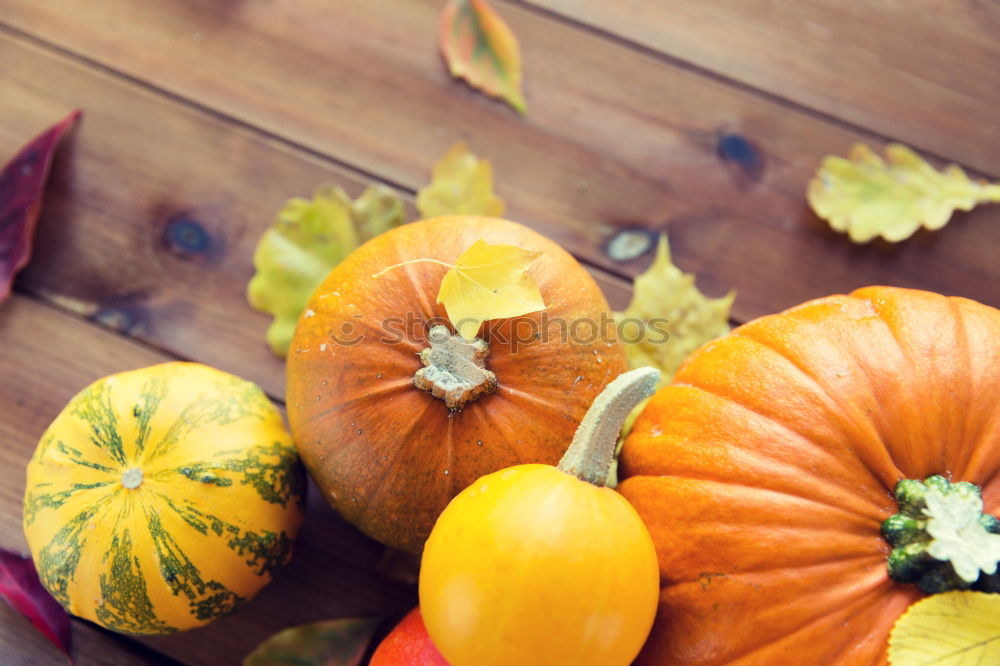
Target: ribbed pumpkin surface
162,498
389,456
765,471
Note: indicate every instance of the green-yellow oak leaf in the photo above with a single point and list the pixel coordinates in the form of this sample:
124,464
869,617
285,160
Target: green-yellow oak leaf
867,196
308,238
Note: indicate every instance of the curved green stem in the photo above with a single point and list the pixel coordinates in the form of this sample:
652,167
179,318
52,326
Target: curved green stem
941,538
590,454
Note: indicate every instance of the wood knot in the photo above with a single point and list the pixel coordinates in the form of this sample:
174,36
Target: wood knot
737,150
186,237
630,244
126,318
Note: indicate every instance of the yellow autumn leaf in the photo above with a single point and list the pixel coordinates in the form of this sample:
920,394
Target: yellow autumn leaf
462,184
308,238
479,47
948,629
669,317
867,196
489,282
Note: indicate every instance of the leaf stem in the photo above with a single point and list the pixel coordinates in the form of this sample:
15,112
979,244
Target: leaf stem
411,261
992,193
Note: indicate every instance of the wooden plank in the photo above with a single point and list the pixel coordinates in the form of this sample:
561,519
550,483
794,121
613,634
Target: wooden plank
49,356
923,72
614,138
22,645
138,166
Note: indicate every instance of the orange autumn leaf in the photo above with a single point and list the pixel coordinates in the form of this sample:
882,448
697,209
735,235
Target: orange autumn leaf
480,48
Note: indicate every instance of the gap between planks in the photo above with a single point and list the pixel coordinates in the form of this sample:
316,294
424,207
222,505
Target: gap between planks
543,13
406,192
198,107
738,84
776,210
698,70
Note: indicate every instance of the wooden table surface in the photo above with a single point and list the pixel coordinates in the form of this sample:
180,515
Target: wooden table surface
704,119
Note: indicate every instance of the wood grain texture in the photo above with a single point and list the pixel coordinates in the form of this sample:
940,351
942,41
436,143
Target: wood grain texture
22,645
201,118
48,357
925,72
614,139
154,209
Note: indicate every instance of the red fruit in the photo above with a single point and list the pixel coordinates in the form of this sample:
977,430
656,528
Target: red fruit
408,645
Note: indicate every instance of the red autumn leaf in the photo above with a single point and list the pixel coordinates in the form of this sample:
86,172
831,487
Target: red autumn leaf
20,587
22,183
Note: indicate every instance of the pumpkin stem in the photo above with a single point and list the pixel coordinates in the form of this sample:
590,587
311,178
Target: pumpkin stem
941,538
590,454
455,368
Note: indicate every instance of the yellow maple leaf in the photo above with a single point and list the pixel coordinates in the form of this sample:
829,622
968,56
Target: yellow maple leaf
489,282
669,317
479,47
308,238
462,184
867,196
948,629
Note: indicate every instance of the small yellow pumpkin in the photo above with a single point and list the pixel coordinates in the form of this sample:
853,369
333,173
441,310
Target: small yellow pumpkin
542,565
162,498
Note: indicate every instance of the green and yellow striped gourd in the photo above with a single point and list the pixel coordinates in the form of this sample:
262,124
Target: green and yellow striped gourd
162,498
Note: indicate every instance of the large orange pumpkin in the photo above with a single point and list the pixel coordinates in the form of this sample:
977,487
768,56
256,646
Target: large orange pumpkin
389,456
765,472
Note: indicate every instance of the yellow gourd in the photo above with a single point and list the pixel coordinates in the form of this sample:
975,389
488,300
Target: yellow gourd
542,565
162,498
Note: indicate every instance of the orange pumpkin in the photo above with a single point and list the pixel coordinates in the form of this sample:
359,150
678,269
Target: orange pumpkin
767,471
389,456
